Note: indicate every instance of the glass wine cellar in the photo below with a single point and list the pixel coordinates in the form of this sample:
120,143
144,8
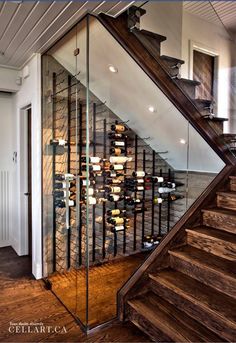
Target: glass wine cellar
121,165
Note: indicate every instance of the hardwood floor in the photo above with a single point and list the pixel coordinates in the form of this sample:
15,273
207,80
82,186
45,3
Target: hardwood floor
104,282
25,300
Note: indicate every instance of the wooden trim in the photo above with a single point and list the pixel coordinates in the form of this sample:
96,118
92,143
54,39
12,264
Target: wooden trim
191,217
153,67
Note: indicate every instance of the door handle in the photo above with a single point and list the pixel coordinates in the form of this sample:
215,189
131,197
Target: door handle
27,194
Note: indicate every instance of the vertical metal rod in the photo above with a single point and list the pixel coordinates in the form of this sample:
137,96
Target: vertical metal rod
54,82
153,191
125,171
143,213
160,211
135,168
168,204
68,210
104,204
94,206
80,171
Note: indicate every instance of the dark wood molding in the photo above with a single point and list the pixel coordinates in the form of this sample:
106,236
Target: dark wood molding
153,67
160,257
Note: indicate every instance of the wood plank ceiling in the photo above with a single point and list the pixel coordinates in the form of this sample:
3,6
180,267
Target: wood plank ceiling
27,27
217,12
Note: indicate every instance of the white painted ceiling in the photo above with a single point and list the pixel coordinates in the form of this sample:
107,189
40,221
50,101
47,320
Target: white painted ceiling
27,27
217,12
130,92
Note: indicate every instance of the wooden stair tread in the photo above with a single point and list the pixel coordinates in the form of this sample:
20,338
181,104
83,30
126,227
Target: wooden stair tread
221,211
171,59
230,194
206,260
213,233
219,119
232,177
191,82
170,320
153,35
206,102
198,293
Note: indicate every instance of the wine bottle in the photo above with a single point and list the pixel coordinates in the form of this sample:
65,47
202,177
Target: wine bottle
134,181
165,190
117,151
116,167
157,200
132,201
63,177
115,212
60,142
118,128
92,168
118,143
118,228
117,220
90,191
174,197
115,135
157,179
139,209
111,173
114,197
91,159
114,181
113,189
120,159
61,194
62,203
139,173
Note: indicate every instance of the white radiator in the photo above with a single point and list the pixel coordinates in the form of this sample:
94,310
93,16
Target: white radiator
4,208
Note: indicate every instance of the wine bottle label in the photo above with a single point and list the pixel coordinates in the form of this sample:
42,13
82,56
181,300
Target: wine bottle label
112,174
94,159
139,173
90,191
62,142
119,128
115,212
119,228
119,143
140,180
71,203
69,177
92,200
120,159
117,151
116,181
157,200
118,166
115,189
96,167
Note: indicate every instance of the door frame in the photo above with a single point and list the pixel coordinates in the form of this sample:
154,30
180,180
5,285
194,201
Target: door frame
208,51
23,179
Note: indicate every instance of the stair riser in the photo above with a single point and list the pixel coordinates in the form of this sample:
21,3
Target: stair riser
226,202
233,185
189,89
216,247
197,311
205,275
217,126
144,325
218,221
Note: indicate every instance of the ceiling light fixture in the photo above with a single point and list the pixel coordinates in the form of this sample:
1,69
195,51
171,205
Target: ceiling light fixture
112,68
182,141
151,109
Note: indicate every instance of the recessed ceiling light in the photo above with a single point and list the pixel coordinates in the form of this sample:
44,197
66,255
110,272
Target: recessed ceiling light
112,69
182,141
151,109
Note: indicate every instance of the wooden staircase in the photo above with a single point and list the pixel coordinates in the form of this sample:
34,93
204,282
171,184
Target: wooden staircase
193,299
186,290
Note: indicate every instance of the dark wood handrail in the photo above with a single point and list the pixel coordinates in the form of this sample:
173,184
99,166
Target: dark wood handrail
153,67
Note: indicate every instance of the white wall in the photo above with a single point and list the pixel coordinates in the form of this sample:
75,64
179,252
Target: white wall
6,135
29,94
165,18
8,77
212,38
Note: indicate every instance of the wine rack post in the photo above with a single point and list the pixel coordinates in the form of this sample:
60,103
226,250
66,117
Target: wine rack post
125,193
135,169
94,206
80,173
144,197
160,211
168,203
104,181
54,82
153,190
68,214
